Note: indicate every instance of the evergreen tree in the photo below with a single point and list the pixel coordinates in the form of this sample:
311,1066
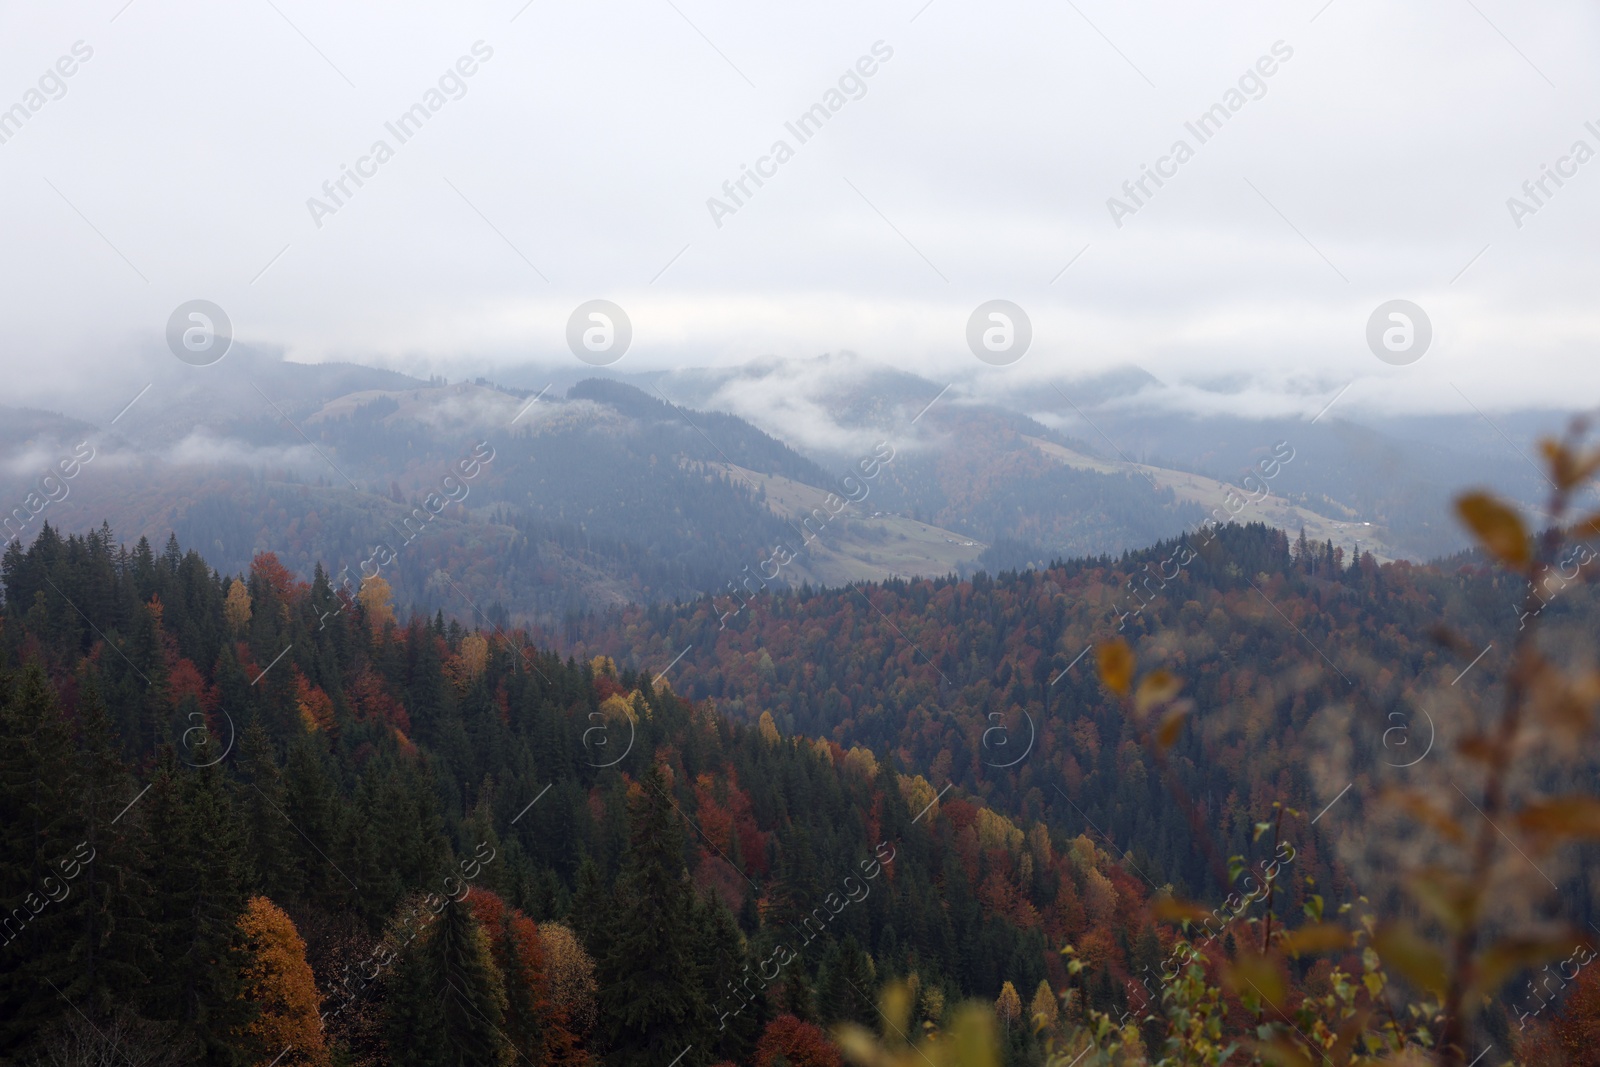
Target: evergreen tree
262,803
849,984
651,999
459,970
198,872
40,829
114,952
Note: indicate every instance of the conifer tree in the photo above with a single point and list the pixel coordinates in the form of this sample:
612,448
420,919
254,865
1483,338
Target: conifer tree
198,871
651,998
262,804
458,968
113,951
40,827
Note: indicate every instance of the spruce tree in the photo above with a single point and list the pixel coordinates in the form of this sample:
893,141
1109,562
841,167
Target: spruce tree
114,952
457,969
198,870
651,989
40,828
262,805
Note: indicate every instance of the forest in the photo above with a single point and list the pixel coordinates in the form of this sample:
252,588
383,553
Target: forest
253,819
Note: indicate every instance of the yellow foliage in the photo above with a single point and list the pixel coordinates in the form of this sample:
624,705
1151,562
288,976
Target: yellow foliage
997,831
862,762
236,607
769,729
918,794
474,655
1039,845
970,1040
1099,896
1044,1010
278,980
573,990
603,666
375,598
1008,1006
615,705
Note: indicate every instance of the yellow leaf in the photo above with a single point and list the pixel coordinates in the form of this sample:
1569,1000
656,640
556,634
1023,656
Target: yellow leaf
1450,897
1585,528
1115,659
1171,726
1315,938
1497,527
1422,808
1158,688
1570,816
1283,1052
1567,469
1504,958
1255,974
1416,960
1171,909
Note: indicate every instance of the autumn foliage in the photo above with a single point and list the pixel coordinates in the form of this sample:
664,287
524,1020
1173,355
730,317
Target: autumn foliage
278,980
797,1043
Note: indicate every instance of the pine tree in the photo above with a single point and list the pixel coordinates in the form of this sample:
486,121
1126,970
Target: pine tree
725,961
40,829
262,804
651,999
198,872
459,970
849,982
114,952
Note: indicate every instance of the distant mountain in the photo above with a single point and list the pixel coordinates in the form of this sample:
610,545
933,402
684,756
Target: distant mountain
606,489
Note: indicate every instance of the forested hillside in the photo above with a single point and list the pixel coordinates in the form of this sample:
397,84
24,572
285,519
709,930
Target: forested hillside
231,805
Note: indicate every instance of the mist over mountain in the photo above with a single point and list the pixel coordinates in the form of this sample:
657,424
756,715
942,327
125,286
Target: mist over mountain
611,488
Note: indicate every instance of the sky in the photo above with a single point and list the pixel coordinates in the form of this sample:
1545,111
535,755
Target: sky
586,154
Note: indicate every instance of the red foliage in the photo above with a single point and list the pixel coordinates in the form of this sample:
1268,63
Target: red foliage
185,680
266,569
802,1044
371,701
519,955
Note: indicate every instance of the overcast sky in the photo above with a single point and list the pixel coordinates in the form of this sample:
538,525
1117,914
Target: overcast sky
975,163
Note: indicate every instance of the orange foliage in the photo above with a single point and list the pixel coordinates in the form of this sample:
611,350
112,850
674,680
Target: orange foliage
315,706
277,978
267,571
573,990
1577,1028
801,1044
185,680
519,955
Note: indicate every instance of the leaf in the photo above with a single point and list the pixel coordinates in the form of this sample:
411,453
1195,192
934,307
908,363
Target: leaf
1497,527
1283,1052
1569,816
1420,807
1250,973
1413,958
1316,938
1449,896
1585,528
1567,469
1173,910
1115,660
1478,748
1171,726
1504,958
1158,687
